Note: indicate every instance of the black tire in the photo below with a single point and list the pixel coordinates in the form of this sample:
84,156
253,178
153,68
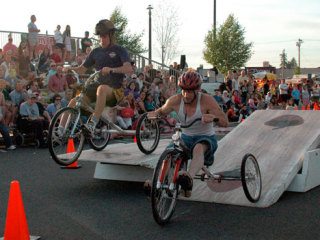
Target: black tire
251,178
163,200
60,142
147,134
101,138
19,139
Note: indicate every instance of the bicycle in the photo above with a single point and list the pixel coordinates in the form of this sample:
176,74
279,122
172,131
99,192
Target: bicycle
164,186
67,136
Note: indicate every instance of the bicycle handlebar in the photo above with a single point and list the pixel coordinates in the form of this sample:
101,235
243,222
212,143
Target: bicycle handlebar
196,120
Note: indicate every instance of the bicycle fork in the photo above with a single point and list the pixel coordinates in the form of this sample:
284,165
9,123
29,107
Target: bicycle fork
164,169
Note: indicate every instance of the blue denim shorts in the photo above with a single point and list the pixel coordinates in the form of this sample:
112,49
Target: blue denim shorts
210,141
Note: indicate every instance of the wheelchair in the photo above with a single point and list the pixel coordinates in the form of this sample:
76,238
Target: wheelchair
25,134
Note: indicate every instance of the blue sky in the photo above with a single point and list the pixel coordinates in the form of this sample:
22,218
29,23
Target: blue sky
271,25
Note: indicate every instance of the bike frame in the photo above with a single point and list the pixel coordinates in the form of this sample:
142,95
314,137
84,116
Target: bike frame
81,104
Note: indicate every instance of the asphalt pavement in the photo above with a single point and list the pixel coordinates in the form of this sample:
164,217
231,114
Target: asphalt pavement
72,205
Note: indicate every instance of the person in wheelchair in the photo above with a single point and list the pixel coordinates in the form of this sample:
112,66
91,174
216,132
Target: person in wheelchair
200,137
29,118
114,62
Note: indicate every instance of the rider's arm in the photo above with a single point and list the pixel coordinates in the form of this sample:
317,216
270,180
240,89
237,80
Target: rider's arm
165,109
126,68
214,111
80,69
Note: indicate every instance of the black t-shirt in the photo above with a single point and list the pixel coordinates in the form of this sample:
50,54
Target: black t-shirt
83,45
113,57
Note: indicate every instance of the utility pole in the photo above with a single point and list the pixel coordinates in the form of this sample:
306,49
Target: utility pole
150,36
214,17
298,44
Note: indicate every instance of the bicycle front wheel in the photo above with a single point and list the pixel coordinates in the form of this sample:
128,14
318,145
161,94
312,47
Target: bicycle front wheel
101,136
164,191
251,178
66,140
147,134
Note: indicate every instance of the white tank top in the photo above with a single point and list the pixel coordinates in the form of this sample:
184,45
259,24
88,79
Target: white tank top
198,128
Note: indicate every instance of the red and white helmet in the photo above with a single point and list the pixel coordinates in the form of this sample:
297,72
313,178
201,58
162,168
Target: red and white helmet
190,80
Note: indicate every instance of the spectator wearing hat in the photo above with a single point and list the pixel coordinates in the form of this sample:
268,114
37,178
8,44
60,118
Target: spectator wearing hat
86,42
31,118
10,46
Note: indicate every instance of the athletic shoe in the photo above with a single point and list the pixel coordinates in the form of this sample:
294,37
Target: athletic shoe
12,147
186,183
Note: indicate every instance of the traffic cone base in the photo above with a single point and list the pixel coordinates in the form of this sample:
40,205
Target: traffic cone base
71,149
16,227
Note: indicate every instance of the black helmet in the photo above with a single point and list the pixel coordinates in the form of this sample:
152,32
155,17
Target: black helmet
104,26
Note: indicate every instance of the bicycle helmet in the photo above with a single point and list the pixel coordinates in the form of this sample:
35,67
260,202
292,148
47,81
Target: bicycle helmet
104,26
190,80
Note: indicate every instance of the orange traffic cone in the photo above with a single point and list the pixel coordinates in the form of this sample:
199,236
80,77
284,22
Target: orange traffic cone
135,139
303,107
71,149
16,227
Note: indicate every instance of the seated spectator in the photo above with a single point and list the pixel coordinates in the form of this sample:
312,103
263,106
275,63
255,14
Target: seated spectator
57,83
232,114
140,103
4,130
55,56
19,94
23,60
290,104
9,46
56,104
226,99
44,60
124,114
251,106
149,103
52,71
31,119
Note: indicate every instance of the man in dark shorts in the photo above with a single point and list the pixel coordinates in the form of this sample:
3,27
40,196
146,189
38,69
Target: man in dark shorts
114,62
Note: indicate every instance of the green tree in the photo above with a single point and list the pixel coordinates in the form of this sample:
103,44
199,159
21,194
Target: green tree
132,42
228,50
292,64
297,70
283,59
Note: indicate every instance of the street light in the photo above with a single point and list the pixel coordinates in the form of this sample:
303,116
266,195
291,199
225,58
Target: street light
150,38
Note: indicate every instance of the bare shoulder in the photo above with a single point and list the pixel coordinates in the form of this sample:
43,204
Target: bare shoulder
208,99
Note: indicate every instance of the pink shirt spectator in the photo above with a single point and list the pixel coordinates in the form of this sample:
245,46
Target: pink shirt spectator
57,83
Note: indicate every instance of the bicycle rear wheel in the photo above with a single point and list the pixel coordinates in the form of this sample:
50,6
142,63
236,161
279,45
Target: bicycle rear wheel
251,178
101,136
65,147
164,191
147,134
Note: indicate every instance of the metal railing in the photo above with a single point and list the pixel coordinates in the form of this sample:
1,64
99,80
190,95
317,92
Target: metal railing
46,40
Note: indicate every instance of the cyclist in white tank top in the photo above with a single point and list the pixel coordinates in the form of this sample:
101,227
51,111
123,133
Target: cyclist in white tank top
198,128
200,137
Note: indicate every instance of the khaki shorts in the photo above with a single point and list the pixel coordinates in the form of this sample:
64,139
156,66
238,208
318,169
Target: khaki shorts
91,93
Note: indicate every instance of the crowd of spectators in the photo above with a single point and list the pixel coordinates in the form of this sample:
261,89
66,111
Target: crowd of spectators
32,90
241,94
33,86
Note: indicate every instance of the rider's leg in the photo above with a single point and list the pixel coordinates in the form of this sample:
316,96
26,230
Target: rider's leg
104,93
198,159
